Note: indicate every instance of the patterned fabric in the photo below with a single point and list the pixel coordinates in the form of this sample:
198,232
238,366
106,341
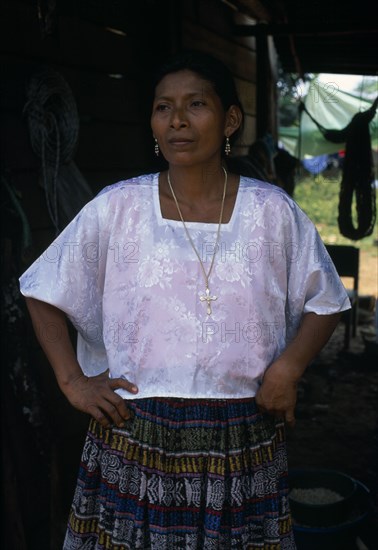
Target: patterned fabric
130,282
183,475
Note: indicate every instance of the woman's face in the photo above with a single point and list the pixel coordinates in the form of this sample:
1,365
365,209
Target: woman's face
188,119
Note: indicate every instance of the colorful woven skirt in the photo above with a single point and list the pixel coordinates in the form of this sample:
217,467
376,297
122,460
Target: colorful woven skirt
183,474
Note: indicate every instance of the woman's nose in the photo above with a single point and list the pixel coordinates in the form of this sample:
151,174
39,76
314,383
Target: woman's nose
178,119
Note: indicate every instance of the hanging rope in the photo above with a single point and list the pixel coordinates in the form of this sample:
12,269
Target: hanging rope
335,136
358,179
358,173
54,128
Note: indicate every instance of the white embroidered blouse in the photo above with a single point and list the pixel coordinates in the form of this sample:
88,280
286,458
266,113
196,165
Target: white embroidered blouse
130,282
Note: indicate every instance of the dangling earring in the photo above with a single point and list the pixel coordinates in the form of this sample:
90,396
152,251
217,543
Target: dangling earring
157,150
227,148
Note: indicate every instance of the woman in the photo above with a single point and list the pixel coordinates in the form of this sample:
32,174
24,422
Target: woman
199,297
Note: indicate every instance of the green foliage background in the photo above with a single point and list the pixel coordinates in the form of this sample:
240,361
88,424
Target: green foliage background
318,196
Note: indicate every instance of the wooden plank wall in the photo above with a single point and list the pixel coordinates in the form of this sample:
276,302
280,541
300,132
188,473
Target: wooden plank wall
115,142
103,70
208,25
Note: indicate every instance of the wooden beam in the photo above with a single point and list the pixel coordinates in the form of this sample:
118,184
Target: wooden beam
296,30
254,8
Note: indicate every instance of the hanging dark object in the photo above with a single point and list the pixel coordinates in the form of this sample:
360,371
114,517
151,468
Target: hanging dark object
335,136
47,17
358,179
53,121
358,173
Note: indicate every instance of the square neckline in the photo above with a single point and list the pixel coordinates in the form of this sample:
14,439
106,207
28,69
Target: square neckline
207,226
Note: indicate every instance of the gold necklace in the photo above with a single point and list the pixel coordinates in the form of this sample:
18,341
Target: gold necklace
207,297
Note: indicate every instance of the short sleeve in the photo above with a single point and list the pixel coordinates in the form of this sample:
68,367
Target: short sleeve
70,276
314,284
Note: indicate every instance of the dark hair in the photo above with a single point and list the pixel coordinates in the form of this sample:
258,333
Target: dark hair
210,69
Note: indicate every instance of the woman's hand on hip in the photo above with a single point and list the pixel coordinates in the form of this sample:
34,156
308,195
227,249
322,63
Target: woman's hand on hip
277,394
95,395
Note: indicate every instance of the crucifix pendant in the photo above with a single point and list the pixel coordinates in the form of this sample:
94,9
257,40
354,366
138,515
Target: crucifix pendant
208,298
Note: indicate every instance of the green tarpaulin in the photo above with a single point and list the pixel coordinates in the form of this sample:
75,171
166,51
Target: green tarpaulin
333,109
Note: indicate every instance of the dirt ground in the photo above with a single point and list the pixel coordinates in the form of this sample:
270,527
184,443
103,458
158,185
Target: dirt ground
337,412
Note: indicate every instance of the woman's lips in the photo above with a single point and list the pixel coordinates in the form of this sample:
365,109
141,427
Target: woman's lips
180,141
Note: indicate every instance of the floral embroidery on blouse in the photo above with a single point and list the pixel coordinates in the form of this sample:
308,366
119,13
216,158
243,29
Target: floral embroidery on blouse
130,282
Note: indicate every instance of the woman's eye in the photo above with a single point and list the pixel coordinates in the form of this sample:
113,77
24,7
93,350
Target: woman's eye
197,103
161,107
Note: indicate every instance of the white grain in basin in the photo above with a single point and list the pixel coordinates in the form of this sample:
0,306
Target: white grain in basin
315,495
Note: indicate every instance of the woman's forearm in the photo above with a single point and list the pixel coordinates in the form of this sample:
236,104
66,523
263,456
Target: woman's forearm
94,395
277,394
314,332
50,326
